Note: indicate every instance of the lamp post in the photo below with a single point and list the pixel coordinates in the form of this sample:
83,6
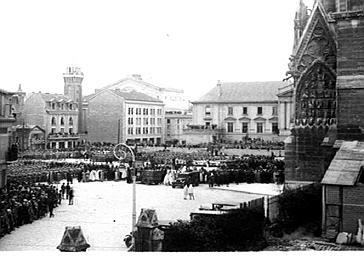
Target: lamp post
121,152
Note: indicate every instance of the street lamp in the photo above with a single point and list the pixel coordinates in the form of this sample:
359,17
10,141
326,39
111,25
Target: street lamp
121,152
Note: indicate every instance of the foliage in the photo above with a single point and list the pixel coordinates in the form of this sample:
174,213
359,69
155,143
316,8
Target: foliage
240,230
301,208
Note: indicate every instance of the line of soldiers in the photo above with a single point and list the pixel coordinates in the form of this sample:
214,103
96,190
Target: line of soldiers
23,202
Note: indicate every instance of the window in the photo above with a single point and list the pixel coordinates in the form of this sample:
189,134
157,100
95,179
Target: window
62,106
230,111
139,121
259,127
207,124
70,121
349,5
159,121
70,130
177,121
245,110
230,127
274,111
130,111
53,130
244,127
145,130
53,122
138,130
159,112
260,110
152,111
152,121
62,121
53,105
207,110
152,130
71,106
130,130
130,120
62,130
145,121
275,128
159,130
138,111
168,121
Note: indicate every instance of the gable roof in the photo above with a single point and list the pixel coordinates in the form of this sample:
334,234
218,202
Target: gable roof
54,97
345,168
155,87
243,92
136,96
127,95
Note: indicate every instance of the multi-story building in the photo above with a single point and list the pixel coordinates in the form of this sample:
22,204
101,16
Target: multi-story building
7,119
61,116
176,123
232,111
173,99
125,116
57,115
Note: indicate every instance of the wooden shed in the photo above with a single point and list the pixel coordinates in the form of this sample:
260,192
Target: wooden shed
343,190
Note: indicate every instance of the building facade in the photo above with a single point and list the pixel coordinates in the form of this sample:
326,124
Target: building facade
57,115
176,122
173,99
7,119
125,116
232,111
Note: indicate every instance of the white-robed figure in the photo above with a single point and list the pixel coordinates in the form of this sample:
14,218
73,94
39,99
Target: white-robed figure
93,175
185,192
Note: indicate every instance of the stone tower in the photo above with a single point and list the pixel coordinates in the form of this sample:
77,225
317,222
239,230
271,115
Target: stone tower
73,88
327,67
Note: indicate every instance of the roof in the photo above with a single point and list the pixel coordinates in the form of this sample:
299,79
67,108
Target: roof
136,96
127,95
27,126
243,92
113,85
345,169
54,97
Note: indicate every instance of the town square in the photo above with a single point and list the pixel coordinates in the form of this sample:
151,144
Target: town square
182,126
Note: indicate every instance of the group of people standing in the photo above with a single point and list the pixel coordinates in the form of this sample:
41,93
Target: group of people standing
188,191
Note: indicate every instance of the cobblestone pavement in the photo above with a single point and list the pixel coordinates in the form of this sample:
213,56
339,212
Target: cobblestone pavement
103,210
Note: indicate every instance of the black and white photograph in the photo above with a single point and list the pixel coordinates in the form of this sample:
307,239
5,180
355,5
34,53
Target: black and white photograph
219,126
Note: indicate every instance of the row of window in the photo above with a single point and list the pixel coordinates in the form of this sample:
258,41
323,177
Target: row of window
169,121
146,111
230,111
245,127
146,121
61,121
63,106
145,130
62,130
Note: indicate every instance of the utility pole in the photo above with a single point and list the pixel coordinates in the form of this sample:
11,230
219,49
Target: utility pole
22,138
118,131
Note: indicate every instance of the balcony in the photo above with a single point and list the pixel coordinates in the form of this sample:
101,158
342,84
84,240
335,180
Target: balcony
62,136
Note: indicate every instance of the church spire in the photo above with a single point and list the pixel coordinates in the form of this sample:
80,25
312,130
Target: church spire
300,22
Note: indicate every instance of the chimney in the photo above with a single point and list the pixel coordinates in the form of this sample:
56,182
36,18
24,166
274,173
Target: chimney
136,77
219,88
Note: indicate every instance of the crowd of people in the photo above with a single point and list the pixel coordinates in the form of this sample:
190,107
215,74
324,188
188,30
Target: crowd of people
22,202
32,183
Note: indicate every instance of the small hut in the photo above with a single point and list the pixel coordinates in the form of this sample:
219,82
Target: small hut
343,190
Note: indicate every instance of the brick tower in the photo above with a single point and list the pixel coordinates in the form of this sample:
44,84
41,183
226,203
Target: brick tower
73,88
327,66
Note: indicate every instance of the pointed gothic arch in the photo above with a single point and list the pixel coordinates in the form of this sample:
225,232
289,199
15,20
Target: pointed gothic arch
315,100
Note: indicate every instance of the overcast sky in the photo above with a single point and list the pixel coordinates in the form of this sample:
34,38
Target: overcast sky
186,44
